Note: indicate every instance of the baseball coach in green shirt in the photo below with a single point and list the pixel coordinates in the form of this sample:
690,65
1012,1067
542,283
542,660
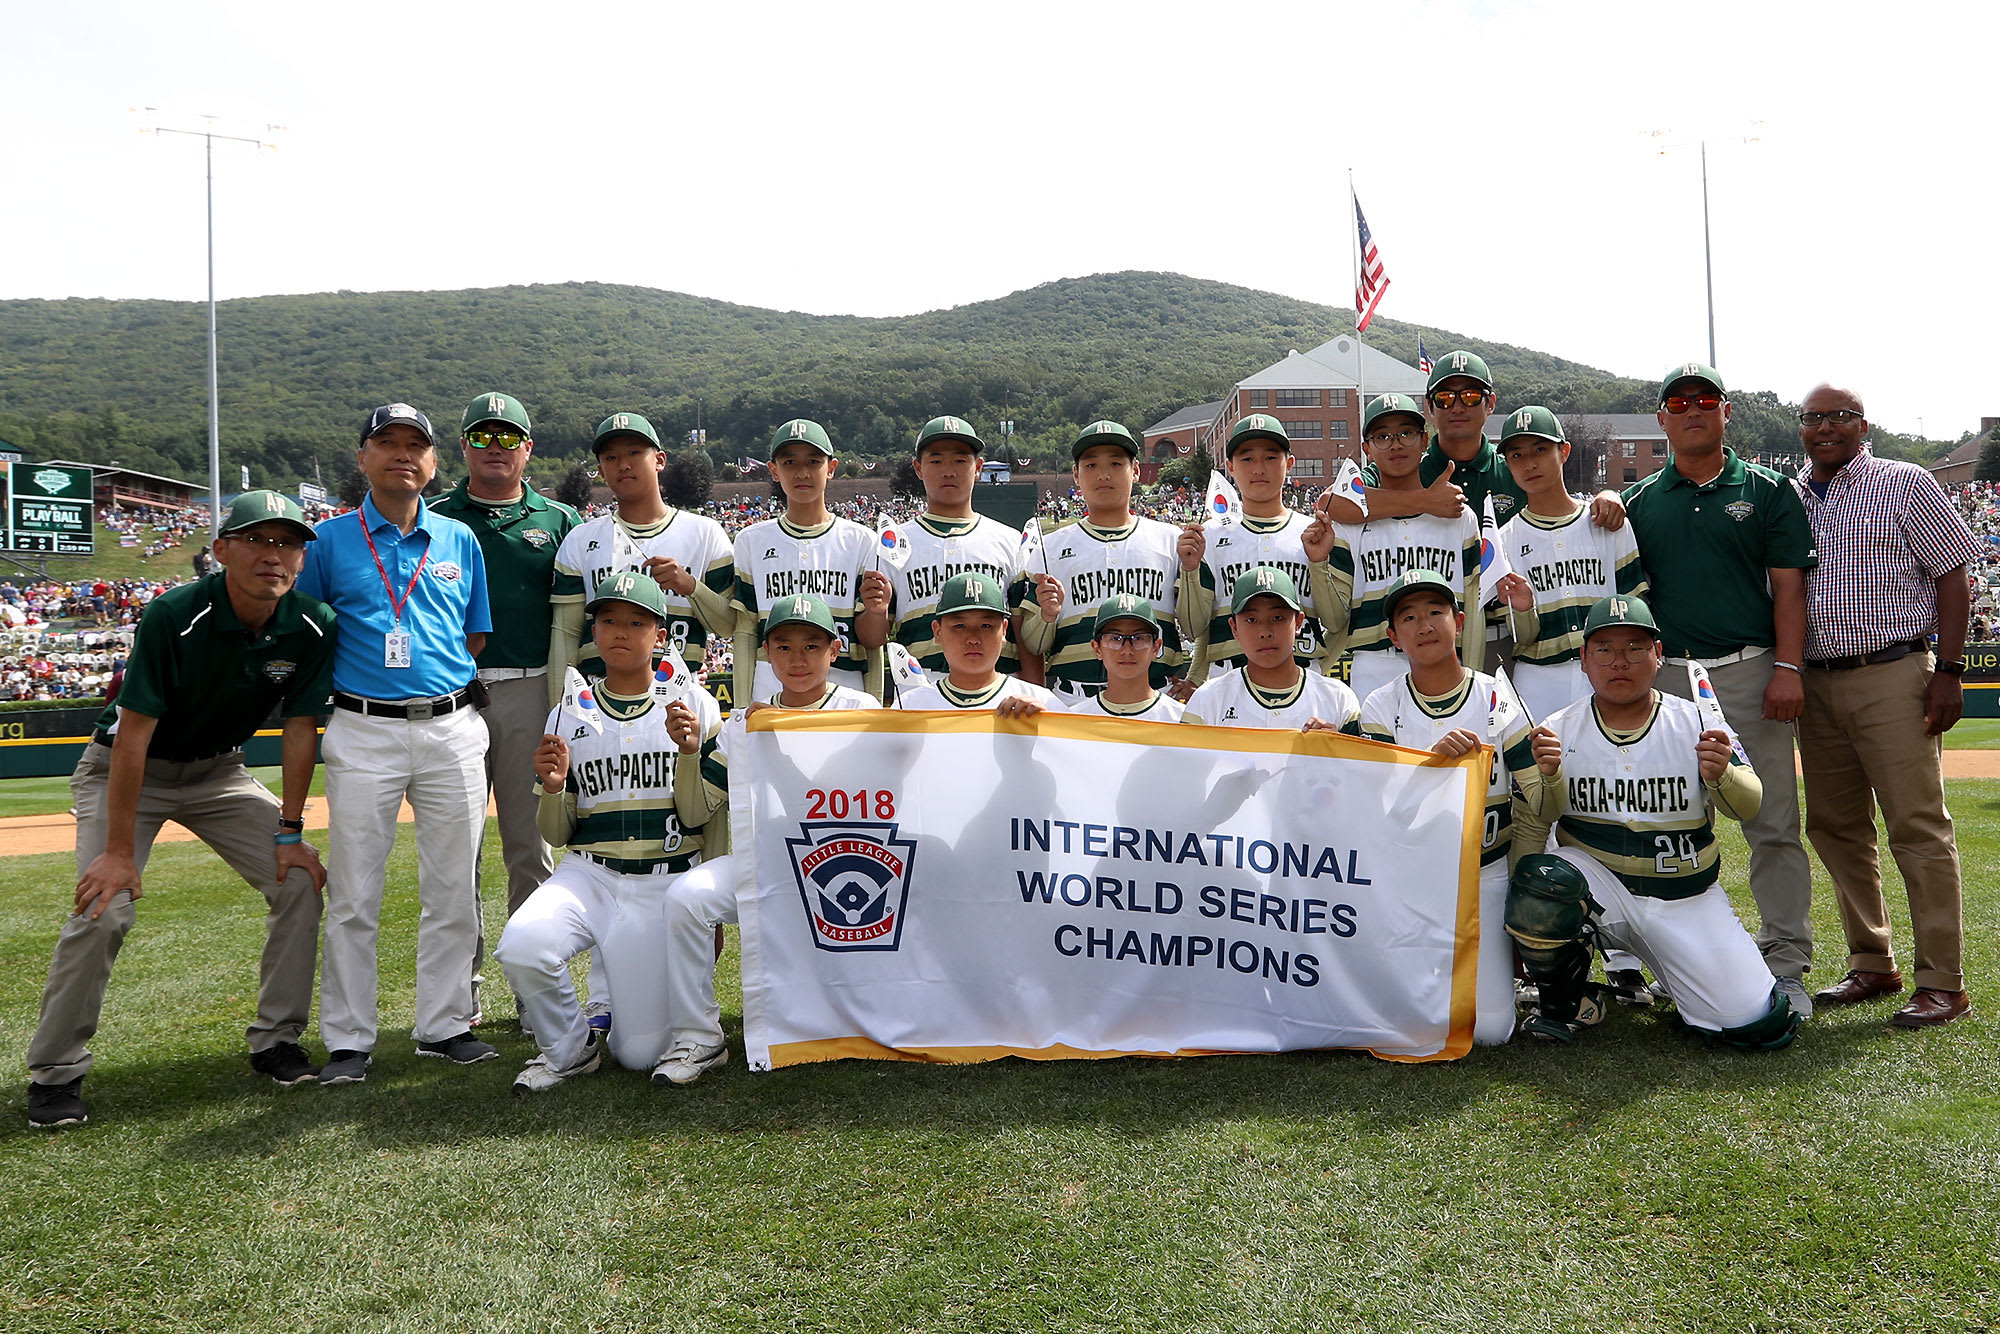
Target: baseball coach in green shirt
210,661
519,530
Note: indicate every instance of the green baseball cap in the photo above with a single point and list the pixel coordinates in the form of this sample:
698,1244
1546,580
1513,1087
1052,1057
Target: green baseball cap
1104,433
800,431
495,407
1384,405
1124,606
1257,426
1620,609
641,590
950,428
1533,423
799,609
1690,370
1263,581
971,592
623,423
1417,581
1453,364
255,507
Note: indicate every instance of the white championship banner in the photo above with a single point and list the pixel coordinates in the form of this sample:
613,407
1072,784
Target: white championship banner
956,887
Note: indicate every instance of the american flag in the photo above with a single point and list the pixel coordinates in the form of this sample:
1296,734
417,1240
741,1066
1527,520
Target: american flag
1423,357
1374,279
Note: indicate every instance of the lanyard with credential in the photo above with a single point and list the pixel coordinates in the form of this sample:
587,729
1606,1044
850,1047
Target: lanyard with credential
396,644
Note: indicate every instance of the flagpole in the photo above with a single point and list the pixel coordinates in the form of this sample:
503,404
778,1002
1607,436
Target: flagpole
1354,260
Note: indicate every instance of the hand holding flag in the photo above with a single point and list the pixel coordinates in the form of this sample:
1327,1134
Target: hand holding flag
891,546
1712,717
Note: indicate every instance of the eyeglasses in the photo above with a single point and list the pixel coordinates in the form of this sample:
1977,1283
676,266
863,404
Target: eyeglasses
1444,398
1839,417
495,439
1614,653
1677,404
281,543
1112,639
1383,439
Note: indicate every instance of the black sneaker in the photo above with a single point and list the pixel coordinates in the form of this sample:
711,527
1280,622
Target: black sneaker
1628,987
464,1049
286,1064
54,1105
345,1067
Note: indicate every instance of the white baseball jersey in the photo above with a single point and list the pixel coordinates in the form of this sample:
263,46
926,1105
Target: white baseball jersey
1368,557
620,787
775,559
1570,563
1635,802
1092,563
942,694
715,751
940,549
1234,548
1161,708
1396,713
1230,700
607,545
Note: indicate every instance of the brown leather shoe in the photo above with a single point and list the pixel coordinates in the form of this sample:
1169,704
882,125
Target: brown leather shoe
1858,986
1931,1008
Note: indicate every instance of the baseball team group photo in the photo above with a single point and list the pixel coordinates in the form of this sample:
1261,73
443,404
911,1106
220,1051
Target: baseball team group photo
1139,803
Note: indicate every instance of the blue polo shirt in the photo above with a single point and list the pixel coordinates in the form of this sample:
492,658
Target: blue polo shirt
447,603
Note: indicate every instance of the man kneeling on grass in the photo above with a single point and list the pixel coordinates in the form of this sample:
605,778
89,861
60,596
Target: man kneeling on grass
1636,865
610,797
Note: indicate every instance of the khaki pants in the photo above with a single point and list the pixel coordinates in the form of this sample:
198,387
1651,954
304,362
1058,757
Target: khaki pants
515,717
1780,875
220,803
1862,738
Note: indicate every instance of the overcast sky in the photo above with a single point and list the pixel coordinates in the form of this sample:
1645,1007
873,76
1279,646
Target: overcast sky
883,159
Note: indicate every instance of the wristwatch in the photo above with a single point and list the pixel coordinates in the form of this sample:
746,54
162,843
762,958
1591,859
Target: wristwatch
1956,667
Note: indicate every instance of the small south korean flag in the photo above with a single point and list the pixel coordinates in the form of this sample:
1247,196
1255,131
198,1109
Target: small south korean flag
671,681
1347,483
1712,717
1031,543
892,548
1224,505
904,669
1493,564
579,706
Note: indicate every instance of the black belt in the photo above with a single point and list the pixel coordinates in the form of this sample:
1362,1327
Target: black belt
1893,653
416,710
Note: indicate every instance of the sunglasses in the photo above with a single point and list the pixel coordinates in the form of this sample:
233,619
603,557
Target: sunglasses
1444,398
1676,404
1839,417
495,439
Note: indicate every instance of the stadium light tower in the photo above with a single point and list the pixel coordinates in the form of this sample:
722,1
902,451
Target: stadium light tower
1707,248
208,133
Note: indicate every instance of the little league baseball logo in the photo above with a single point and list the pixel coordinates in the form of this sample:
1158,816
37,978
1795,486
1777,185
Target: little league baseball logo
854,880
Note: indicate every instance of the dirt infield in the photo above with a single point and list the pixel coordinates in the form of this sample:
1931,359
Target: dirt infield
25,835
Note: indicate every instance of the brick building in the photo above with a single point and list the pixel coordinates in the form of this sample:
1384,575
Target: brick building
1173,435
1317,396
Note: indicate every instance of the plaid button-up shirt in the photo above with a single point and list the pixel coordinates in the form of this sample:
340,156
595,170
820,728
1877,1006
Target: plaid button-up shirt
1885,533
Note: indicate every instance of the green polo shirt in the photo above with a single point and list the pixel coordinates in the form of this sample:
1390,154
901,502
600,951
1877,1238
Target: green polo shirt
1707,551
519,541
1484,474
212,683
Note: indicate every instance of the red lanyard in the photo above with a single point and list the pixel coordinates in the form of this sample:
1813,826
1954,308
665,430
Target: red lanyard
394,605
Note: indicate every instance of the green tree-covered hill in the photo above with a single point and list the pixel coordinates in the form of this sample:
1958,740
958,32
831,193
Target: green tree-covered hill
125,380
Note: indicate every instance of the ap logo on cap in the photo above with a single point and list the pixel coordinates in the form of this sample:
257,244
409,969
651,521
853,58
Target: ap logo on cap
274,503
495,405
1620,607
1523,418
1458,360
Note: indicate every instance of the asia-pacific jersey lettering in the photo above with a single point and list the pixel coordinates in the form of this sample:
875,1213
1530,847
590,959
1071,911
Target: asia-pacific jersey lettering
620,788
775,559
607,545
1570,563
1635,802
1161,708
942,694
940,549
1368,557
1231,700
1092,563
1396,713
1236,547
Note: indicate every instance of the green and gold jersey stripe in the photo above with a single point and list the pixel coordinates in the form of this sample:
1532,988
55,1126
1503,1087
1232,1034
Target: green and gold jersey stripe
1657,861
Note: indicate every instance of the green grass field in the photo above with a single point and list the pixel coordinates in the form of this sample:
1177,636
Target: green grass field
1636,1182
51,796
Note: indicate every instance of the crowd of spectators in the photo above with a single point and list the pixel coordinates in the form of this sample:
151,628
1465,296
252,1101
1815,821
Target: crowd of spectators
1979,504
156,529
